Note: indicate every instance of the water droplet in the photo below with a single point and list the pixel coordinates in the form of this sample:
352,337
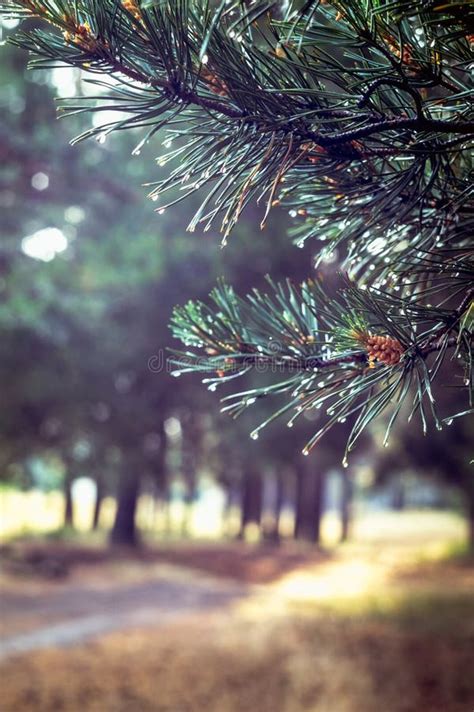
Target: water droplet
154,198
101,138
345,463
137,150
449,421
305,452
212,387
205,59
175,374
289,425
161,211
254,435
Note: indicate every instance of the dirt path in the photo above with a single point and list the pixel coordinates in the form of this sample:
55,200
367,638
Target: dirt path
100,593
73,613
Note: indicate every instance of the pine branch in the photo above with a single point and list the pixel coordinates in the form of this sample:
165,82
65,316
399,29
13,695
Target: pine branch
433,341
357,117
176,93
252,101
356,342
187,97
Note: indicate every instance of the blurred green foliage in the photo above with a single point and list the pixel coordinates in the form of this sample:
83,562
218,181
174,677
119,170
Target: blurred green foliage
79,329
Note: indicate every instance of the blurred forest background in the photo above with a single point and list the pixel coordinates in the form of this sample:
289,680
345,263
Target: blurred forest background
99,443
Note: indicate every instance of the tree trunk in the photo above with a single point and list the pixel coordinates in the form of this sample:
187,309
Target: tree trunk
189,500
99,496
251,504
280,498
189,453
346,504
124,531
229,501
299,501
190,496
309,503
162,480
320,479
271,532
68,503
398,495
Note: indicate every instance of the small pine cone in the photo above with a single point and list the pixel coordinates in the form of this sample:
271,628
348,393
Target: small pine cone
313,152
80,35
384,349
133,8
216,84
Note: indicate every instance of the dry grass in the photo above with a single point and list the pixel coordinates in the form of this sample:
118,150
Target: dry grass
330,663
373,629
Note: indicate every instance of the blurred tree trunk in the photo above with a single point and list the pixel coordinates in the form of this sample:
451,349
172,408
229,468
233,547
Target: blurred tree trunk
398,494
162,480
165,497
251,500
279,500
124,531
189,499
99,496
299,500
189,454
227,509
346,504
68,503
272,533
309,503
167,510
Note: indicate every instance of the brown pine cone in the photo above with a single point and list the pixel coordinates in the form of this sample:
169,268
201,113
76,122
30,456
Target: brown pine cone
384,349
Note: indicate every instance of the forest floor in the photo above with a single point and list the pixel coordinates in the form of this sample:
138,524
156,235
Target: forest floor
386,621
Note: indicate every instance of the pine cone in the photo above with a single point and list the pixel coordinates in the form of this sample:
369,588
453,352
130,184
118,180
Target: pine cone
133,8
80,35
216,84
384,349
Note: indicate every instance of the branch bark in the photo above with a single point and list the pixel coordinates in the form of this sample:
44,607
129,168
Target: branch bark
420,123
